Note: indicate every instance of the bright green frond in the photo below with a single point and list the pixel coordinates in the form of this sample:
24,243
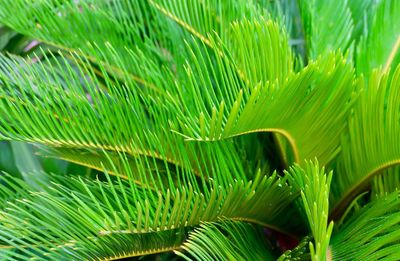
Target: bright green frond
388,181
202,18
328,25
361,12
89,26
372,143
310,109
261,51
314,185
92,216
123,118
372,234
226,241
381,44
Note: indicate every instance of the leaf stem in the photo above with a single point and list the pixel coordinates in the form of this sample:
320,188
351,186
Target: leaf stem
362,186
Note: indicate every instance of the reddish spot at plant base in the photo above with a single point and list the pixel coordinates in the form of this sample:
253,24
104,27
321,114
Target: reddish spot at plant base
283,242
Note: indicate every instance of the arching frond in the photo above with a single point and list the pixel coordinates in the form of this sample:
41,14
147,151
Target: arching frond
93,216
226,241
371,145
372,234
387,182
122,118
327,24
310,109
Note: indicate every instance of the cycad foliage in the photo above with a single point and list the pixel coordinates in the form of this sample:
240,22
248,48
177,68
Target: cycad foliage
207,129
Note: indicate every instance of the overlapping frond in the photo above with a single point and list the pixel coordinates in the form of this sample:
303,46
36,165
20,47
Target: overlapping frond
372,234
310,109
226,241
81,115
99,219
388,181
361,12
328,26
381,45
371,145
203,18
90,26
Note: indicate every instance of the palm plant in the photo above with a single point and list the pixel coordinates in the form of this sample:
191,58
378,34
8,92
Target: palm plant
207,129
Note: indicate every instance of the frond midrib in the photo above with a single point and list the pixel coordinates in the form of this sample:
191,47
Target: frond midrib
360,186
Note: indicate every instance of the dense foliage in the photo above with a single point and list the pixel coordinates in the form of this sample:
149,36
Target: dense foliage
200,129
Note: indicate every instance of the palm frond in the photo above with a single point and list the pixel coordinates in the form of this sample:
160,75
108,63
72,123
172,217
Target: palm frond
83,116
372,234
387,182
202,18
328,25
310,109
381,45
225,240
314,186
93,216
247,43
90,26
372,143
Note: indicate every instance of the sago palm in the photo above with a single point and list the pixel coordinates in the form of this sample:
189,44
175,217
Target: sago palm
207,129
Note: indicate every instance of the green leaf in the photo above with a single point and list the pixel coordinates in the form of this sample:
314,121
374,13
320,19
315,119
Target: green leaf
372,234
370,147
226,241
381,44
327,24
92,216
28,163
314,186
261,51
310,110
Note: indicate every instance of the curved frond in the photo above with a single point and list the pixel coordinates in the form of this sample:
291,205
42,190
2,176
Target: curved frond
372,143
202,18
310,109
225,241
92,216
80,115
372,234
387,182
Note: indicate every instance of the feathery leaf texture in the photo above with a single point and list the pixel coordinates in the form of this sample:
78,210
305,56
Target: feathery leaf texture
372,234
314,186
328,25
183,108
225,240
381,44
303,110
371,145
